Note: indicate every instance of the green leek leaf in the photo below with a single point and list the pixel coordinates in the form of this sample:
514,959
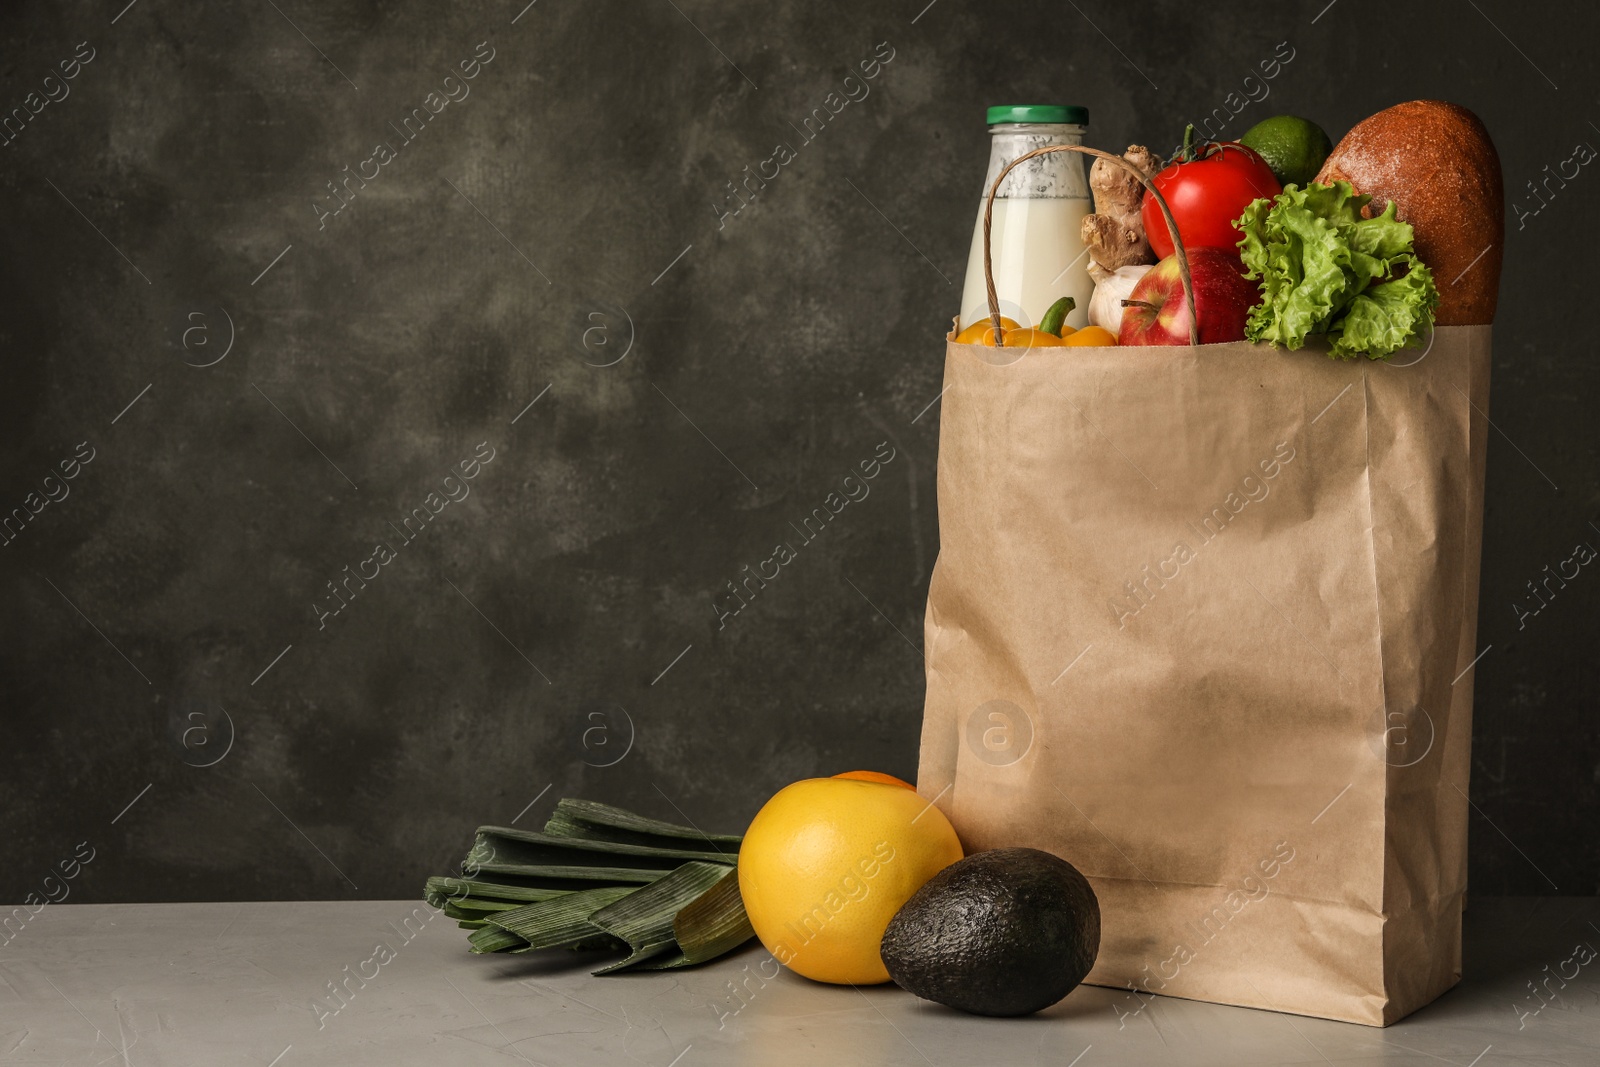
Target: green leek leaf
500,844
550,875
440,890
644,918
494,939
714,923
562,921
602,822
667,962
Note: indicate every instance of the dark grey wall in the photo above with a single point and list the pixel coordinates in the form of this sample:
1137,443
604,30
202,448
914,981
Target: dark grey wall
165,207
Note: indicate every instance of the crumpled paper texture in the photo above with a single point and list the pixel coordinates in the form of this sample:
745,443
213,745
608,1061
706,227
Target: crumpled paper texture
1200,624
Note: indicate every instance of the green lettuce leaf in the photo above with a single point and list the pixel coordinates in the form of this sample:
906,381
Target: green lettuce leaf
1324,269
1384,318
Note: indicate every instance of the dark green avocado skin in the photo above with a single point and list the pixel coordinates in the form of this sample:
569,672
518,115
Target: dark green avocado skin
1004,932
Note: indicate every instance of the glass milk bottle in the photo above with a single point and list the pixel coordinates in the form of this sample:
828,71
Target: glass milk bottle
1037,252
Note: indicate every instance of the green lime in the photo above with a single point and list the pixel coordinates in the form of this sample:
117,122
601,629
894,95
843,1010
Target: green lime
1295,148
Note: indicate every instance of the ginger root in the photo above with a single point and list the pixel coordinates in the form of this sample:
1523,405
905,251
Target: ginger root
1114,234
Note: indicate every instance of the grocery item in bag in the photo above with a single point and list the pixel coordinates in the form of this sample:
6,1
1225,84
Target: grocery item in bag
1436,163
1038,253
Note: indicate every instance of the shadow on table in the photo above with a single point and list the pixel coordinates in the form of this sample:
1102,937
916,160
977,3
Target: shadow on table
551,962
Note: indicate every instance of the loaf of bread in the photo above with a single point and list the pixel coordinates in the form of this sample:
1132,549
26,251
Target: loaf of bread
1435,161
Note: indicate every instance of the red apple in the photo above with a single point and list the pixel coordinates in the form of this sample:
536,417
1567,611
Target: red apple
1156,312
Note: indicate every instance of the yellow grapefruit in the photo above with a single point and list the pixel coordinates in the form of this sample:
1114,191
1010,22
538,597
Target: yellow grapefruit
825,865
877,776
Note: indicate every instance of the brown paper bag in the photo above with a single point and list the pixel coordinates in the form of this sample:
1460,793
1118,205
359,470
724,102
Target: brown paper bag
1201,623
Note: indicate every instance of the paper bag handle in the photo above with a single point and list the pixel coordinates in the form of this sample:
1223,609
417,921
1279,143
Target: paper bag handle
1161,202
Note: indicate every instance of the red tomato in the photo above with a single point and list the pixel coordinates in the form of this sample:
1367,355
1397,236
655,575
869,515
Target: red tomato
1206,196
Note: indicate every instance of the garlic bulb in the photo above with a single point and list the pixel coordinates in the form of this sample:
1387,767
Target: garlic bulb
1105,306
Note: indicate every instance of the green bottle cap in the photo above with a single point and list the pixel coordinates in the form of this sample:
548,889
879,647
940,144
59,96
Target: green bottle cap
1057,113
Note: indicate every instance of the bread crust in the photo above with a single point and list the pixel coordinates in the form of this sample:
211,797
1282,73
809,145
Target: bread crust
1435,161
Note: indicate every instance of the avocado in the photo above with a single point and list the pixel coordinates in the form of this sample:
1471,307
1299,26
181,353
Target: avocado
1003,932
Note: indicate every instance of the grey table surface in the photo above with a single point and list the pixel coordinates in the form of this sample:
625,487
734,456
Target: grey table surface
222,984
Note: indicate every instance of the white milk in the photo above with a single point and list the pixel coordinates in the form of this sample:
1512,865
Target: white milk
1038,258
